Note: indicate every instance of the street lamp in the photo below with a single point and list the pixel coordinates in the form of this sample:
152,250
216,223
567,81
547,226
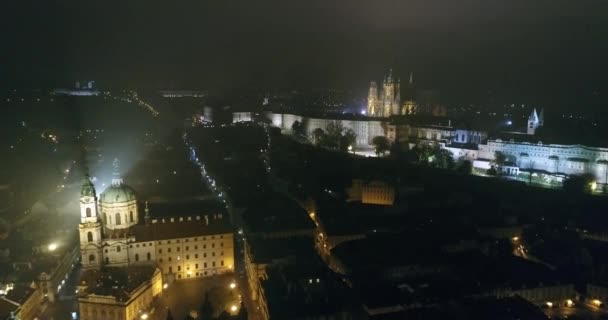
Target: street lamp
52,247
232,285
233,308
144,316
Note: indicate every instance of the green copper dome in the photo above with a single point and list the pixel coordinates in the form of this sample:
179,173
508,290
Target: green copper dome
117,193
88,189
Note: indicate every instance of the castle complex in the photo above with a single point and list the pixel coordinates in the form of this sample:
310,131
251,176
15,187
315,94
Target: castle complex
523,150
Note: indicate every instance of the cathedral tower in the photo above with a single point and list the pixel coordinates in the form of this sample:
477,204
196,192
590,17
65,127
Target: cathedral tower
388,92
533,122
372,100
89,227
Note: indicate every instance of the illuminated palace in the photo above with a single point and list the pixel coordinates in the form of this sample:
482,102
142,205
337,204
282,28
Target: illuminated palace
112,234
387,101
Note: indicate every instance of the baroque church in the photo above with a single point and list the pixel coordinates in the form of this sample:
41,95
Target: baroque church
113,233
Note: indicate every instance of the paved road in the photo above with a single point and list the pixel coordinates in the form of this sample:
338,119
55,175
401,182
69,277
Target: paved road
581,311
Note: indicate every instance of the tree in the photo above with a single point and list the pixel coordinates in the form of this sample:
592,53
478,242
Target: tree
443,158
348,139
500,158
169,315
381,145
466,167
424,154
579,184
318,135
224,315
242,312
333,135
298,129
492,171
206,309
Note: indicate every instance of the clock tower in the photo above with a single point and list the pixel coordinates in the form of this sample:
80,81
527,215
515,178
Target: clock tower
89,227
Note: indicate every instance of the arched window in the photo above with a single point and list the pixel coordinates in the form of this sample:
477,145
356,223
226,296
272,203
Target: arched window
90,236
117,248
131,216
149,256
117,219
88,210
91,258
136,257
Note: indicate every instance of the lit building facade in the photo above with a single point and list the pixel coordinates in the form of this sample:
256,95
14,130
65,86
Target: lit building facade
372,192
113,235
100,298
552,158
364,128
385,102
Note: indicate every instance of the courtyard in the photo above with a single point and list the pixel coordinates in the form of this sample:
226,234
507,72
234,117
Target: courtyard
186,297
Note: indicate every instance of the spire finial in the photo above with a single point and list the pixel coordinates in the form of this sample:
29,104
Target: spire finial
116,179
88,189
411,78
147,217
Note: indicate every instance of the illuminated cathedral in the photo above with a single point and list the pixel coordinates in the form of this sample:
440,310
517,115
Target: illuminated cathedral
387,101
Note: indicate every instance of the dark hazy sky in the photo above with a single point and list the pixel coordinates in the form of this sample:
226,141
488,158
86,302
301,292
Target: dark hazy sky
530,46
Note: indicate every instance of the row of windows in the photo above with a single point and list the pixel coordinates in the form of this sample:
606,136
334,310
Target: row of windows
117,218
179,268
187,239
188,247
195,256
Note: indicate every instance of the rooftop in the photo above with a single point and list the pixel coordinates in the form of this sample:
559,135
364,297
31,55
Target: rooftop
160,209
6,308
293,292
267,250
182,227
277,213
117,282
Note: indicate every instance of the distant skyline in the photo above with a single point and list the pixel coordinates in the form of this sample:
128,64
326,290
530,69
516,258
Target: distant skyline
539,50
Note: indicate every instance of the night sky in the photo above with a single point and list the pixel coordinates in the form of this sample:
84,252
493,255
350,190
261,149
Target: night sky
544,50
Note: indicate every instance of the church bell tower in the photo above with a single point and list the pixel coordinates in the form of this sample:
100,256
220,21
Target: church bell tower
89,227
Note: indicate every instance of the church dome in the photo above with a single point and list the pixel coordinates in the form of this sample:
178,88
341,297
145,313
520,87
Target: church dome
117,193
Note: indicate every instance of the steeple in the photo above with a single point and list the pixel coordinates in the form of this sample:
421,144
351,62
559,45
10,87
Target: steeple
533,116
88,189
147,217
116,179
541,117
533,122
411,83
390,75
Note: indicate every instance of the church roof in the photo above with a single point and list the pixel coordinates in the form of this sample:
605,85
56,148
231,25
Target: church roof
117,193
192,226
